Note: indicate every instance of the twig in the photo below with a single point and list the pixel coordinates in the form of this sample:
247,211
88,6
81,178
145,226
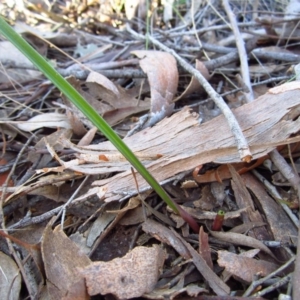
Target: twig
274,286
263,54
270,80
9,243
286,171
202,30
256,283
36,220
241,50
296,285
272,190
11,173
242,144
64,207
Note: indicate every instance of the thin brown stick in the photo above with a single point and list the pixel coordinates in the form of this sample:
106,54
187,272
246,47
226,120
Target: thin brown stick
288,172
241,50
260,281
296,285
242,144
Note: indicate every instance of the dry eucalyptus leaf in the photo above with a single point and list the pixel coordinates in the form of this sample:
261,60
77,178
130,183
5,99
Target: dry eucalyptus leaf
130,276
246,227
131,7
10,278
53,140
240,239
51,120
165,235
244,200
55,186
244,268
103,81
102,223
133,212
111,101
280,224
209,215
194,85
35,185
133,217
62,257
250,254
80,240
207,201
204,248
121,102
192,290
162,73
9,53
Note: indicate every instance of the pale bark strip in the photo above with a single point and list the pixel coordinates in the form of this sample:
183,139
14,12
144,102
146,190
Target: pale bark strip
180,144
242,144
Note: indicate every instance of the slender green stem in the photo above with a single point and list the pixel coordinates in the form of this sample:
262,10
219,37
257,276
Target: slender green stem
84,106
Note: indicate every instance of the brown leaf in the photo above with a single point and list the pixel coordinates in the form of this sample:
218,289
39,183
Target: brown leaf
116,102
243,267
194,85
209,215
51,120
240,191
207,201
102,224
133,217
165,235
172,293
61,258
130,276
10,278
240,239
244,200
162,74
111,101
280,224
204,249
53,139
246,227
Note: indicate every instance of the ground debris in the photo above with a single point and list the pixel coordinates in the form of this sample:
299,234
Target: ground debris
67,229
